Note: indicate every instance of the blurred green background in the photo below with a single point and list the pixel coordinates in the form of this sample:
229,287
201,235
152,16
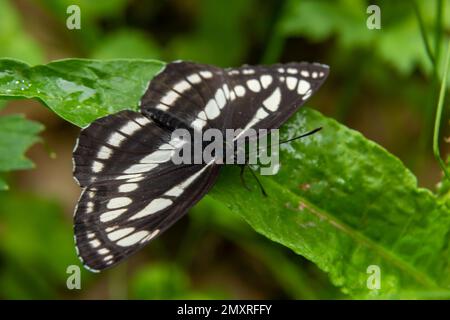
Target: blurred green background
381,84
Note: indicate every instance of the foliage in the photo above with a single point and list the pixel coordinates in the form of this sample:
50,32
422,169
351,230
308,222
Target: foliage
350,204
16,135
340,202
79,90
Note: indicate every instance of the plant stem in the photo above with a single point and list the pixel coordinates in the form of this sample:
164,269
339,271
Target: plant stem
424,34
276,38
439,109
438,30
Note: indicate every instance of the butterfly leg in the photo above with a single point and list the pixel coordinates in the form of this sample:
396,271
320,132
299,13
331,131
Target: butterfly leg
259,182
241,175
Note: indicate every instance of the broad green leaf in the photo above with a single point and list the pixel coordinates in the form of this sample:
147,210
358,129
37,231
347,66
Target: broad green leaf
79,90
17,134
345,203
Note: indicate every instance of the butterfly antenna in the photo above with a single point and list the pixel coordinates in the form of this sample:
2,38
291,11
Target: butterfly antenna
302,136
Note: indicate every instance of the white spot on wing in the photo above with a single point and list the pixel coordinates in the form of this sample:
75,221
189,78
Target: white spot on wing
174,192
198,124
97,166
194,78
206,74
261,113
154,206
116,139
240,90
273,101
291,83
128,187
307,95
202,115
111,215
220,98
94,243
150,236
170,98
162,107
140,167
103,251
104,153
182,86
133,238
212,110
113,236
159,156
226,90
254,85
143,121
303,86
118,202
130,128
266,80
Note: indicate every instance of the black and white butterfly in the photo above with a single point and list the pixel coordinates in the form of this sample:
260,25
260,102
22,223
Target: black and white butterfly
131,191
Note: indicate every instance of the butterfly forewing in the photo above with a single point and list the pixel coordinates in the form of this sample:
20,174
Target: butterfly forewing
234,98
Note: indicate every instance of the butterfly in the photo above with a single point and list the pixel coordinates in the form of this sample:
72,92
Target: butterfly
131,191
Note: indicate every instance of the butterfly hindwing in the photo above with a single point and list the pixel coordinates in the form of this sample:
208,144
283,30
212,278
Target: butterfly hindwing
136,193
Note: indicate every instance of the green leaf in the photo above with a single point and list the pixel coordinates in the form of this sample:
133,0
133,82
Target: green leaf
79,90
17,134
345,203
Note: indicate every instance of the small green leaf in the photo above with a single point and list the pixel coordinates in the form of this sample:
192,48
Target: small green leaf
79,90
345,203
17,134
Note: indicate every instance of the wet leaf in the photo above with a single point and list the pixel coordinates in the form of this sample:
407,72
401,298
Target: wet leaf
345,203
79,90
